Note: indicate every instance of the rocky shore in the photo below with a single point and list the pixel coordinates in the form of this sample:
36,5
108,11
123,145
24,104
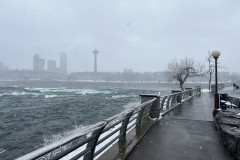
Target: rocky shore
228,126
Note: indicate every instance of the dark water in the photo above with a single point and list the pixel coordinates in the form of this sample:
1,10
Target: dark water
33,117
33,114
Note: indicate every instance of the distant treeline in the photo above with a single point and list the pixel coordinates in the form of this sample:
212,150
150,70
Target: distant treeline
108,76
144,77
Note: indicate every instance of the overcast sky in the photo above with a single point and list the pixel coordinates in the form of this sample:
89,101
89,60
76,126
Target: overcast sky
143,35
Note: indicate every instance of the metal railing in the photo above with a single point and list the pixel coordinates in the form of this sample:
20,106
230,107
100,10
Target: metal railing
93,140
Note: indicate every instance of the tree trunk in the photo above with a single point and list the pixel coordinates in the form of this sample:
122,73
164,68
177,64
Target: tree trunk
181,86
210,80
209,83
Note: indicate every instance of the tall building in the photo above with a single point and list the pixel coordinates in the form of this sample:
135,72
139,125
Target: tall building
35,62
51,66
2,67
41,64
38,63
63,63
95,52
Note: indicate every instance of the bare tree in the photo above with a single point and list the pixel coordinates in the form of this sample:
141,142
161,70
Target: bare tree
183,69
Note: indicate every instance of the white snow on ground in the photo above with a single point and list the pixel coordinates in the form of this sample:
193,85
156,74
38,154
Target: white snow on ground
205,90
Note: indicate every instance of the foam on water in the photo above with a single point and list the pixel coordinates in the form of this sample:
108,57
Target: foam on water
46,90
91,91
67,90
2,94
2,150
19,94
48,139
51,96
131,105
122,96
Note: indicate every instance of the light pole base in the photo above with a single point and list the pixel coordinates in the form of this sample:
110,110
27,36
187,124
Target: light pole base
215,111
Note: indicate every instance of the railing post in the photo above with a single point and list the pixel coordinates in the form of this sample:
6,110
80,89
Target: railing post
198,89
174,99
123,130
139,117
92,144
194,92
179,95
185,95
154,111
179,100
190,92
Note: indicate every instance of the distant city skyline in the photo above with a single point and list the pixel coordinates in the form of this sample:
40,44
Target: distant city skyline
51,66
63,63
39,64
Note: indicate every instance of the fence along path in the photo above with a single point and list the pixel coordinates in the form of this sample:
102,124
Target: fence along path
93,141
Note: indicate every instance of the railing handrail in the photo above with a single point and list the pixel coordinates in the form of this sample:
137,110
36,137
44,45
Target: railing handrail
121,122
41,151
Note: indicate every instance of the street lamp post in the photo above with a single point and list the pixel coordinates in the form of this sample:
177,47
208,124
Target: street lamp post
215,55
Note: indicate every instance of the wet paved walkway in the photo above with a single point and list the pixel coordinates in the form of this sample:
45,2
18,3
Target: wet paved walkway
186,133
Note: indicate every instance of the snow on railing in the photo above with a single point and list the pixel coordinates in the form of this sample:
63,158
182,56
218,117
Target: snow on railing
96,139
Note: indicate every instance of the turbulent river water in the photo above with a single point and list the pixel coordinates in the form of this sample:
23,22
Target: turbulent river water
31,117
